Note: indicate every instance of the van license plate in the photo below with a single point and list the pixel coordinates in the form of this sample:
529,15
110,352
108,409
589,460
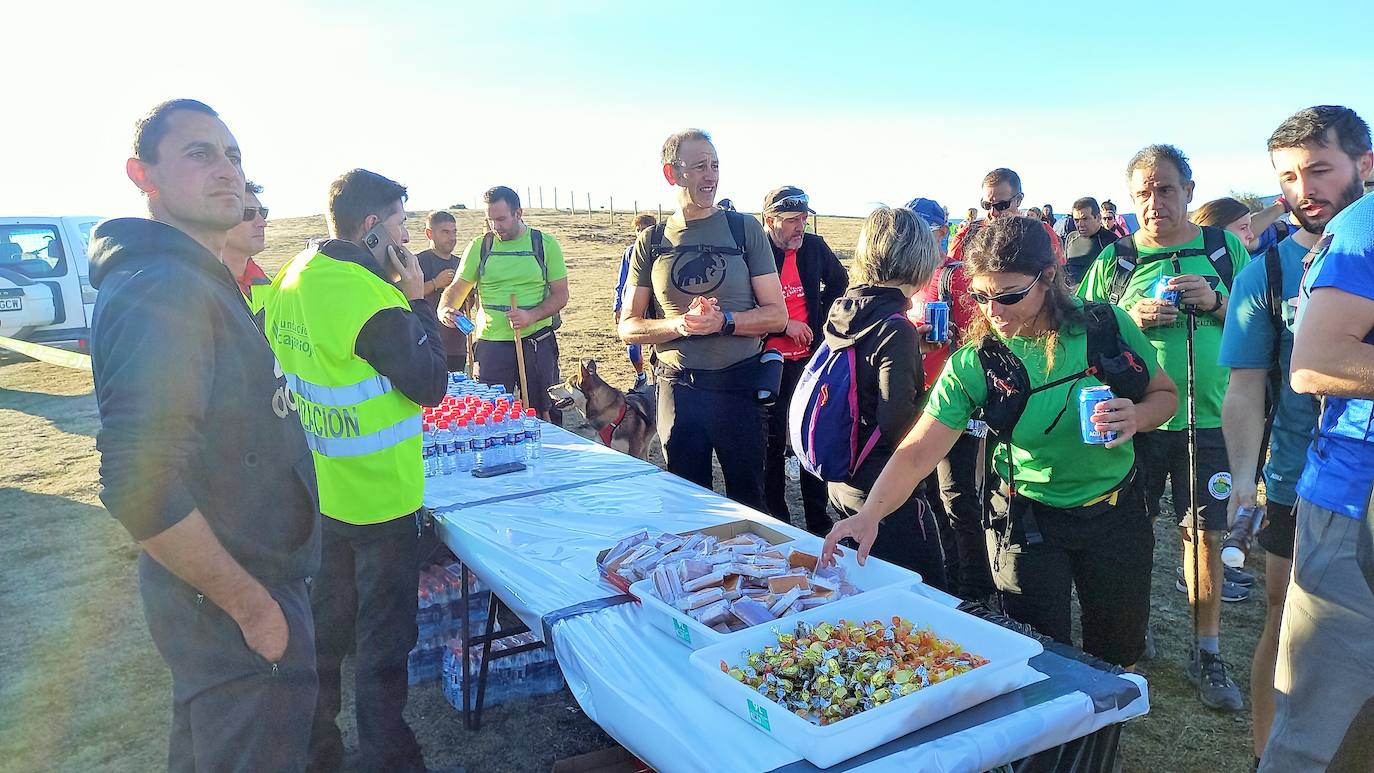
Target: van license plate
11,304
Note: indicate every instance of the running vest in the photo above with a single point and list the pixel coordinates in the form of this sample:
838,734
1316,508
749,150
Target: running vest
365,434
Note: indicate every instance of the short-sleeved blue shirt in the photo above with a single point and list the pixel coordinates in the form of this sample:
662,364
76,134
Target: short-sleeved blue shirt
1340,463
1247,341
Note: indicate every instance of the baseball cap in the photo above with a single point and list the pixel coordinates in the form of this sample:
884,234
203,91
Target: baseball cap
930,211
788,198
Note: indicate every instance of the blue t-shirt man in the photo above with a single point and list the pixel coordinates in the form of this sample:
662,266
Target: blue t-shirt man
1340,462
1247,341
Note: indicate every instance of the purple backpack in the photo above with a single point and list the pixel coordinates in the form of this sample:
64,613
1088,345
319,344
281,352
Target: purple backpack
823,419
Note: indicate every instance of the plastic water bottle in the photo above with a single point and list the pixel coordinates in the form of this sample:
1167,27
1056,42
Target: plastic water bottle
443,448
480,459
534,436
502,452
462,447
515,439
427,451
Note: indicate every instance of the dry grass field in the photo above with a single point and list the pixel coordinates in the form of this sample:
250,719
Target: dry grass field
84,690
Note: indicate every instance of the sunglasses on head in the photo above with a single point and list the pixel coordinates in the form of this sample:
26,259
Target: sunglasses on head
251,213
791,202
1006,299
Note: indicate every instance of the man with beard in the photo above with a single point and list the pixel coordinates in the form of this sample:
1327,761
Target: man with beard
1324,671
1308,152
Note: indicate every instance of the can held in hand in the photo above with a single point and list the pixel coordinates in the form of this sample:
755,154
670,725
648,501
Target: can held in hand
937,316
1088,398
464,324
1162,291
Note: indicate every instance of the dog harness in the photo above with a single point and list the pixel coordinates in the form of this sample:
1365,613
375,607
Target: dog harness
607,431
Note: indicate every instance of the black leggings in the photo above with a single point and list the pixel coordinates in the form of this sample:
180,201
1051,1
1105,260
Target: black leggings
1107,557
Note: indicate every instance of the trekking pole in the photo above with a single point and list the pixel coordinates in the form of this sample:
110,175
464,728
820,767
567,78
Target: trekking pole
1194,533
520,357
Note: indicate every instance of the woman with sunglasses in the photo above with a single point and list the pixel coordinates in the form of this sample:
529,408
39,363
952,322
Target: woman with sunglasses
1076,516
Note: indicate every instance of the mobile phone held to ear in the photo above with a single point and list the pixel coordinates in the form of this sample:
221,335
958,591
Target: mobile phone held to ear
376,240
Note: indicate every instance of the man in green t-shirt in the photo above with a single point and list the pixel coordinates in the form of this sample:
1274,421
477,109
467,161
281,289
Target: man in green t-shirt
512,266
1169,245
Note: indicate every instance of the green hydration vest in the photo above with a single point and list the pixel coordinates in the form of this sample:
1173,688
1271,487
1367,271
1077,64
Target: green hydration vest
364,433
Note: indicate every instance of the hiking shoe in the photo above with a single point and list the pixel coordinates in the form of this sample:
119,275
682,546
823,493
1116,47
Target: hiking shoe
1239,577
1216,691
1230,591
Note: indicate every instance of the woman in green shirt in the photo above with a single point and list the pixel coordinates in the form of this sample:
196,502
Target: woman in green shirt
1076,517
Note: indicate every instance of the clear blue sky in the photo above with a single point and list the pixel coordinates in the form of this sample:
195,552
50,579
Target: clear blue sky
856,102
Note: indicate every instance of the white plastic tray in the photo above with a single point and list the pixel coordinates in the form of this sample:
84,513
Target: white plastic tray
1006,651
875,574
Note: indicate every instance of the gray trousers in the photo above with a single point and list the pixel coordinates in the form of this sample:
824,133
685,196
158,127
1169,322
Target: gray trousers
231,709
1325,672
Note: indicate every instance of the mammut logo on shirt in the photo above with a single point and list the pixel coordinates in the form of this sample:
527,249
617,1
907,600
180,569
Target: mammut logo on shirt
698,273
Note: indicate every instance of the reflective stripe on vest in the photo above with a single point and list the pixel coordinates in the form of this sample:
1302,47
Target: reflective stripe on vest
368,388
339,447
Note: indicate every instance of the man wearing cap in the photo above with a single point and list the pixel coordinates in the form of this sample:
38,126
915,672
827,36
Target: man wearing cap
1002,197
812,278
958,508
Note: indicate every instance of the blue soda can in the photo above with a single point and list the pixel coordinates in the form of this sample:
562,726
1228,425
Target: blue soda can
465,325
937,316
1088,398
1162,291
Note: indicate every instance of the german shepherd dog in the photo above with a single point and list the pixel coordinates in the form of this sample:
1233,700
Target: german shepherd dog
625,422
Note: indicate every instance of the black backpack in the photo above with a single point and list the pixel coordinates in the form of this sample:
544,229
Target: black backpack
536,250
657,247
1128,258
1109,357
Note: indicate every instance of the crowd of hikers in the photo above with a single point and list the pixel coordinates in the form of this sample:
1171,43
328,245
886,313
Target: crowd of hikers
999,406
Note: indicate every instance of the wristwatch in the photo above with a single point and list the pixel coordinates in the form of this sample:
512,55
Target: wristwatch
1216,305
727,328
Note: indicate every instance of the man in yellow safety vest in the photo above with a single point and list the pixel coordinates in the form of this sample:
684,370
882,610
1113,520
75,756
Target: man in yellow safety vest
361,351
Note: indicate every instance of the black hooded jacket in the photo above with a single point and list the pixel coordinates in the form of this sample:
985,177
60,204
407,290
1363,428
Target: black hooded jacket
194,410
823,278
888,368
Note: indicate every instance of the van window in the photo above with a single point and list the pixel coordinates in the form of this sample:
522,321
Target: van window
32,250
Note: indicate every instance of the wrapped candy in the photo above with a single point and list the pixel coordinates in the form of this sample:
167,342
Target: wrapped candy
700,599
712,613
705,581
826,673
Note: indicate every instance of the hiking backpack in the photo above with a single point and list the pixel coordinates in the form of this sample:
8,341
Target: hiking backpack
658,248
1128,258
823,419
536,250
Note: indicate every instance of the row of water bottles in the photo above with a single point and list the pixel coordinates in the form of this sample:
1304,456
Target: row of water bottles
477,428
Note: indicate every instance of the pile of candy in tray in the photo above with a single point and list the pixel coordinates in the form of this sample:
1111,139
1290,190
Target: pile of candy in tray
731,584
826,673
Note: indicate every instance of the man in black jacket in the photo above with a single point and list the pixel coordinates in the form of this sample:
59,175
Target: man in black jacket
202,456
1088,239
812,278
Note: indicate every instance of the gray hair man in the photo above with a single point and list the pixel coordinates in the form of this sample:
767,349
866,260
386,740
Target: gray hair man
812,278
712,275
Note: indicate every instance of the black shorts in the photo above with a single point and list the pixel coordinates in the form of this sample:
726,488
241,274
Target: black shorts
496,364
1280,526
1163,455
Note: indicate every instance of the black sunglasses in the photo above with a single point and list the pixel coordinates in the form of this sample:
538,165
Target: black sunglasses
251,213
1006,299
1000,206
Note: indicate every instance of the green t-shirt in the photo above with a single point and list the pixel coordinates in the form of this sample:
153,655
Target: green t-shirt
1056,468
1171,341
506,274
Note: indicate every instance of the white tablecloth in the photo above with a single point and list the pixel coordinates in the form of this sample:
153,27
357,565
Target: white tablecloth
533,538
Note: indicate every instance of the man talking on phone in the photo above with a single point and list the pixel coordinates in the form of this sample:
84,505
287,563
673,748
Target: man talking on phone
361,351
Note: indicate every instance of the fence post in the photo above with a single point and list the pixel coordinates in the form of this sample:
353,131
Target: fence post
612,211
529,200
555,198
660,213
541,197
572,202
589,207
